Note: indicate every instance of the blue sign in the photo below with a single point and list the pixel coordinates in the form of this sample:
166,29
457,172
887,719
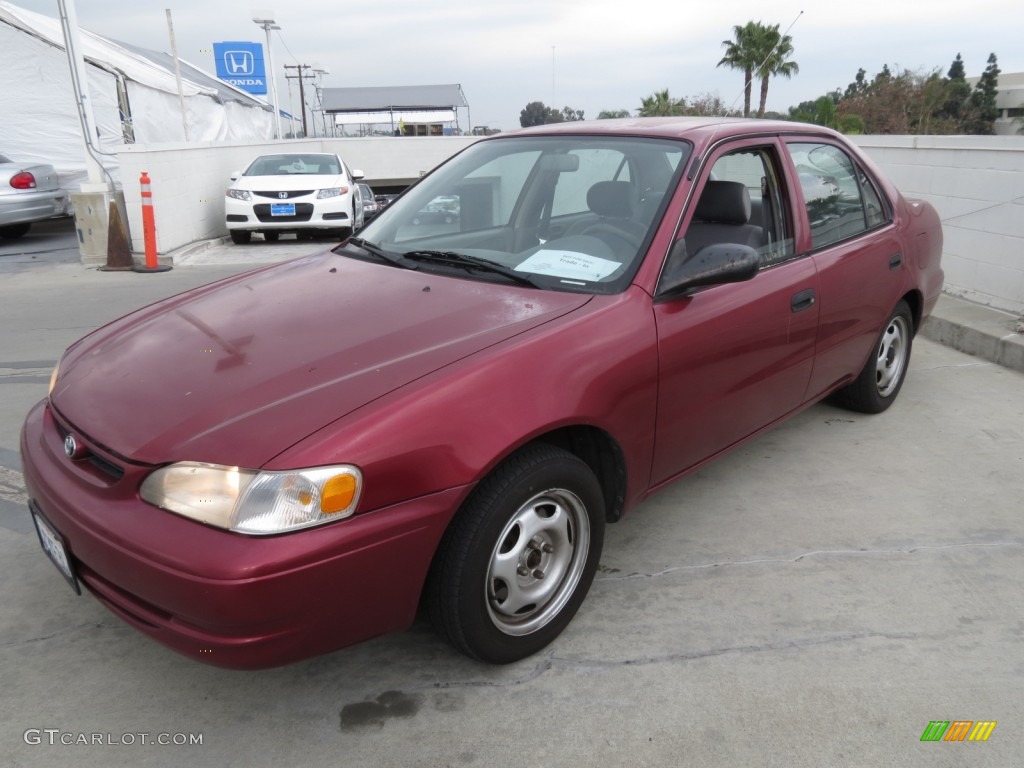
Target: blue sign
241,65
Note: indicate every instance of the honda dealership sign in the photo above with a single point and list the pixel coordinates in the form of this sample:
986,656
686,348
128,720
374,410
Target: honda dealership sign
241,65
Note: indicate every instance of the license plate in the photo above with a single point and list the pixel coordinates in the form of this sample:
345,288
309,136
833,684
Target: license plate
53,546
282,209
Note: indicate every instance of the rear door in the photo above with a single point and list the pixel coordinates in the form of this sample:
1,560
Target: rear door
847,230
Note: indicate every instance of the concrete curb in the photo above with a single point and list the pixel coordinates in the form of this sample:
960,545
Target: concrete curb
186,253
984,332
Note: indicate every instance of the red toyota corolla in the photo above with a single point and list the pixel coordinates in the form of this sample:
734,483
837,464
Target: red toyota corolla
445,414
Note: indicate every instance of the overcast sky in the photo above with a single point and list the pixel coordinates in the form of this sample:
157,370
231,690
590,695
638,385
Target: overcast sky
591,55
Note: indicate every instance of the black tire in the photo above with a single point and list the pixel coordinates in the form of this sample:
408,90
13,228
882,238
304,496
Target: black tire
530,535
241,236
881,380
271,237
13,231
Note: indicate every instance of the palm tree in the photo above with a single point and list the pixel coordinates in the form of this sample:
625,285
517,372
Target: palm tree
773,51
659,104
742,53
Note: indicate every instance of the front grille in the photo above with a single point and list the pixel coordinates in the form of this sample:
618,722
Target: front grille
108,468
104,468
287,195
303,212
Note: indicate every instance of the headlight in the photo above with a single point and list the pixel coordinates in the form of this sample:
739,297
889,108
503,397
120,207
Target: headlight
239,194
254,502
334,192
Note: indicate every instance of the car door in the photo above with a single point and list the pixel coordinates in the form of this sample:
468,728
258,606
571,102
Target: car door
734,358
847,230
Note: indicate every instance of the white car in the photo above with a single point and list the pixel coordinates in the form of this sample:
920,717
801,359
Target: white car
302,192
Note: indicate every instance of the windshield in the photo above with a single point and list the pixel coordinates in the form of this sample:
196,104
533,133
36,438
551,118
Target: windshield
288,165
564,212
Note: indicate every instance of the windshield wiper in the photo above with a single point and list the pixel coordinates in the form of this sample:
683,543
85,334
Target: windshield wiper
374,250
455,259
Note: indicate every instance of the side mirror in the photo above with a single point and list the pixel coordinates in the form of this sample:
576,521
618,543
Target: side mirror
357,175
234,175
712,265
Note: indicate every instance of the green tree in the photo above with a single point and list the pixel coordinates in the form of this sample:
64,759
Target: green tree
759,51
741,53
570,115
536,113
983,99
706,104
611,114
958,91
777,49
859,85
660,104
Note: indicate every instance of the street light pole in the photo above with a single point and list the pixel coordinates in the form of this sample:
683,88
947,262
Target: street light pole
264,20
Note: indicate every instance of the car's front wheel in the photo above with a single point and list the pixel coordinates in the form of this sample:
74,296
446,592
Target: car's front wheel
519,558
883,375
240,236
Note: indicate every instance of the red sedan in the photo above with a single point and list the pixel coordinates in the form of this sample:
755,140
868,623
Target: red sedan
444,417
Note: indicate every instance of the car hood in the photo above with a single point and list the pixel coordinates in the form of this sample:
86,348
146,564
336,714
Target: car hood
289,183
238,371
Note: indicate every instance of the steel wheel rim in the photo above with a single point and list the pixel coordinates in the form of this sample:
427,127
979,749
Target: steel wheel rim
537,562
892,356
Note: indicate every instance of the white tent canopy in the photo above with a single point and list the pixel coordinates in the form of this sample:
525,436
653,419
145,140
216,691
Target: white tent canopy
134,98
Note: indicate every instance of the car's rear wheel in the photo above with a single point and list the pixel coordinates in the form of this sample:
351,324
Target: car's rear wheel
240,236
519,558
11,231
881,380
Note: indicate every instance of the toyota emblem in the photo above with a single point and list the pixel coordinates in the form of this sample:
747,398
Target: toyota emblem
282,195
70,446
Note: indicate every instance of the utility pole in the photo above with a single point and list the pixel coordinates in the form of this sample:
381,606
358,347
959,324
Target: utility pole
301,68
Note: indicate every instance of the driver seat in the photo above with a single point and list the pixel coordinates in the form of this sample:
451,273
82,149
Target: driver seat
723,216
615,203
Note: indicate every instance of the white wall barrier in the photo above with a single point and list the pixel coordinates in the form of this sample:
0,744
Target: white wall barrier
188,180
975,182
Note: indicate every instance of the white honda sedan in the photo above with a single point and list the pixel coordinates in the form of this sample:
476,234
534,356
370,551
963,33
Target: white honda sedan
305,193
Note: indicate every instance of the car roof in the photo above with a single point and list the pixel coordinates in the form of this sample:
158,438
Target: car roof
696,129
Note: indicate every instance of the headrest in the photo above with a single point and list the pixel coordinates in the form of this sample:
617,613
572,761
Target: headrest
724,202
611,198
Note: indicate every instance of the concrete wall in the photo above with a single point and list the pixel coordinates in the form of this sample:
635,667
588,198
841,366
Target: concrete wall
977,185
975,182
188,180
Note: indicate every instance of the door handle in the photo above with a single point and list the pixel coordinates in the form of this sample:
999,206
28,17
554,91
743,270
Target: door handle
895,261
802,300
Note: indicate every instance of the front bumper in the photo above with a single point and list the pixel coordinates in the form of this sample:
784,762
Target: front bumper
256,215
224,598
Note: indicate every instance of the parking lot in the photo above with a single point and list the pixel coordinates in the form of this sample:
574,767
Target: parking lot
815,598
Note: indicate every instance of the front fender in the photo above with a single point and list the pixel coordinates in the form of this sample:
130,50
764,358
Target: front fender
595,366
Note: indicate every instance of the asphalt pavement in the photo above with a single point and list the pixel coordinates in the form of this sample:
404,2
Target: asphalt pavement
816,598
